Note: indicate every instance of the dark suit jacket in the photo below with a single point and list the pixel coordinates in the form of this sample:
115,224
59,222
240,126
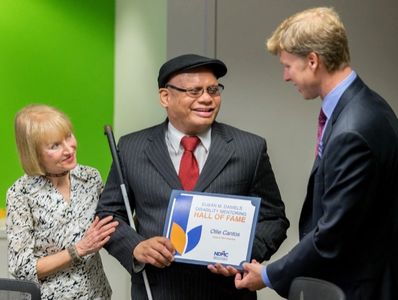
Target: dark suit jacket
348,224
237,164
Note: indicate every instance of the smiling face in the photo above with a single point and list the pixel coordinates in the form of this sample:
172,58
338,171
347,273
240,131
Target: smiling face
302,71
58,154
188,114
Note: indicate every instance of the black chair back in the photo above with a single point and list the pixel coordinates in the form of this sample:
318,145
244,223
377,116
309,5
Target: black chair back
12,289
307,288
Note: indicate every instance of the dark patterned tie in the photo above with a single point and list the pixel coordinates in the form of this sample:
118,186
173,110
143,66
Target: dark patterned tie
189,170
321,124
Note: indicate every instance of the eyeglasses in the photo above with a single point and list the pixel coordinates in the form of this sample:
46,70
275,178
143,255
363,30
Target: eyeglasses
214,90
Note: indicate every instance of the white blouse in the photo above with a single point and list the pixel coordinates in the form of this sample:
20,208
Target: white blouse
40,223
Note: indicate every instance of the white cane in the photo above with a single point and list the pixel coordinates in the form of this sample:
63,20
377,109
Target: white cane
116,162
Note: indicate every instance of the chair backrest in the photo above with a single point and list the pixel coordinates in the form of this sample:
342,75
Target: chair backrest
12,289
307,288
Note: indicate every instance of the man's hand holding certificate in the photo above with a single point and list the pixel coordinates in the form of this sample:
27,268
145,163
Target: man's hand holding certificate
211,228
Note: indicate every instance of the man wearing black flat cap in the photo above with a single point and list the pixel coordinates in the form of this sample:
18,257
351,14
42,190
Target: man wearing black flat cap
225,160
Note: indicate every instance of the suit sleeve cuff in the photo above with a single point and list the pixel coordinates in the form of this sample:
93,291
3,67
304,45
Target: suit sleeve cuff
137,266
265,278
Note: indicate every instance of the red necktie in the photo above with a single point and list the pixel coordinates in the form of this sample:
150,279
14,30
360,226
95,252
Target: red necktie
321,124
189,170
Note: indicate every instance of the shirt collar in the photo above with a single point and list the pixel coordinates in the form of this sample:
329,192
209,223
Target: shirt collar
174,136
332,98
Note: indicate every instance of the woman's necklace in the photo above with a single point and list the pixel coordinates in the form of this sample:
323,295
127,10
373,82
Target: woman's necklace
57,175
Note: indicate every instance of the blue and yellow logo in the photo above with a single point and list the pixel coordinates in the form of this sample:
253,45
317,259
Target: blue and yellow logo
182,240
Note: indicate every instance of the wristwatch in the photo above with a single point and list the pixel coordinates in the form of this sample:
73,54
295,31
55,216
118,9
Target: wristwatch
74,255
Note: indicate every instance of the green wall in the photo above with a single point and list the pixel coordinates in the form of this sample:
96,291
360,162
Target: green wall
59,53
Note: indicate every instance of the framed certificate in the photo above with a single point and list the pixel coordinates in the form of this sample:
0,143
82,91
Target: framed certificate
211,228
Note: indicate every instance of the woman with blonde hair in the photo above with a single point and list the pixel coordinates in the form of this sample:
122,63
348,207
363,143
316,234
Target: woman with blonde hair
53,237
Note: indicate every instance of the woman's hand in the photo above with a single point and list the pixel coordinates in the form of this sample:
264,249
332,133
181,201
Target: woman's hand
96,236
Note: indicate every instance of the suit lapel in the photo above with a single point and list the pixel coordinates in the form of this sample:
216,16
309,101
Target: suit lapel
221,150
306,217
157,153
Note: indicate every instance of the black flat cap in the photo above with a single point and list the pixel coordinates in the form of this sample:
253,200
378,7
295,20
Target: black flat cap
185,62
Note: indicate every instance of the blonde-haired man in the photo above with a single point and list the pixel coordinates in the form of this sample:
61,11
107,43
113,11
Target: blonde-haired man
348,224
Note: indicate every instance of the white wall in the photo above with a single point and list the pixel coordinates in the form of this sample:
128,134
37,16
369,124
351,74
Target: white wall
3,251
140,48
256,98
